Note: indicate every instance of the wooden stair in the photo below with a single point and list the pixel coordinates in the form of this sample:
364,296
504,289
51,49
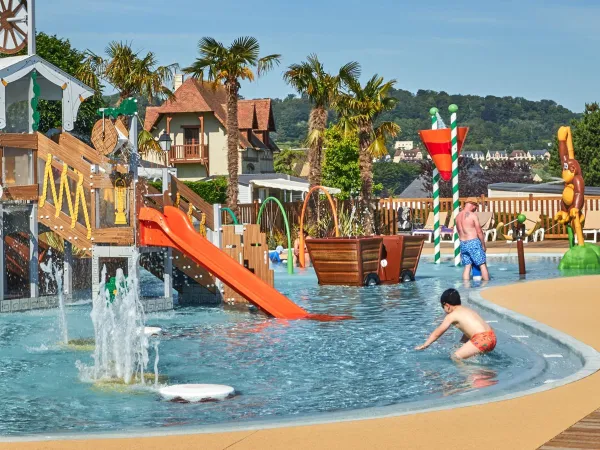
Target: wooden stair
61,225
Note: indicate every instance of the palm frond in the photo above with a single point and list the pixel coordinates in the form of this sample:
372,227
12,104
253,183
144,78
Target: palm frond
314,64
377,149
309,78
246,49
314,137
347,126
266,63
387,129
147,144
349,71
91,70
384,130
245,73
210,47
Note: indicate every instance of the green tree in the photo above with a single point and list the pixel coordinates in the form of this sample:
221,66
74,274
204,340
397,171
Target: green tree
60,53
496,123
213,191
394,177
291,116
340,165
286,160
360,110
128,71
586,142
322,90
227,66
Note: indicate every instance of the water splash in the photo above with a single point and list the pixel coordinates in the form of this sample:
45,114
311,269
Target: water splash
156,363
121,351
54,273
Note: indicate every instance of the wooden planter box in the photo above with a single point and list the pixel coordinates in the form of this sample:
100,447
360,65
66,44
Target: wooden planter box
345,261
402,253
356,261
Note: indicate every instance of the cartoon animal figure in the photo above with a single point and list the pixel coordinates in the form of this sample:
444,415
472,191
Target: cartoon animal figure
573,194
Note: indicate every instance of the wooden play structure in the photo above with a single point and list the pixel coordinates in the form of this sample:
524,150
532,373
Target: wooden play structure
248,246
65,200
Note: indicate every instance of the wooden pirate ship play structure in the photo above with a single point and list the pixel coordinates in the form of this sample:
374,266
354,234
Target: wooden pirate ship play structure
360,260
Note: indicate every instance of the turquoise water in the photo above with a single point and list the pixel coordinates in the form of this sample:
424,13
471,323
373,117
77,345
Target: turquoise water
280,369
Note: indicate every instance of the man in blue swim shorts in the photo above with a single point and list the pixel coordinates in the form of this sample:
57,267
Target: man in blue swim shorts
472,240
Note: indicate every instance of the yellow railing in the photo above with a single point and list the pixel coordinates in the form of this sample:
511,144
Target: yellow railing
65,189
190,214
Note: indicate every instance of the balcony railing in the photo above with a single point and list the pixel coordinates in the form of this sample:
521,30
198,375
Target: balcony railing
192,153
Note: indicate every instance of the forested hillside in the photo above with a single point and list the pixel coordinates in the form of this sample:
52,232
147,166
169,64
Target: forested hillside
496,123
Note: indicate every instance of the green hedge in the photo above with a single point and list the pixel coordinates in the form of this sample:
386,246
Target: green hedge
213,191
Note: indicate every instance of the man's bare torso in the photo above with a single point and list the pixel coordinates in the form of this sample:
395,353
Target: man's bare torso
468,321
466,224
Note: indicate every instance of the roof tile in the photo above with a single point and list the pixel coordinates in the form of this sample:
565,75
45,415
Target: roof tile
194,97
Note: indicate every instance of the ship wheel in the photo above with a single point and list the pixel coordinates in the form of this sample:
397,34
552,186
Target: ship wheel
13,26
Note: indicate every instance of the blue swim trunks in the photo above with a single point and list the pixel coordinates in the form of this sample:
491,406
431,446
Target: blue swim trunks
471,252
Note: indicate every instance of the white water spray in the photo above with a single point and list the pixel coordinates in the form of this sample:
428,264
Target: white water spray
121,350
156,363
54,273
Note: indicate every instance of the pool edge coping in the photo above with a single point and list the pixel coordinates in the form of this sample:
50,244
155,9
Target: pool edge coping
589,356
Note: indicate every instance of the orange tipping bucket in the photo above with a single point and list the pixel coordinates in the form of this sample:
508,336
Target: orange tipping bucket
439,145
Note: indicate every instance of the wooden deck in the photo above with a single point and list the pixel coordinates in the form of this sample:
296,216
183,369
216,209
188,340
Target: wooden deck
585,434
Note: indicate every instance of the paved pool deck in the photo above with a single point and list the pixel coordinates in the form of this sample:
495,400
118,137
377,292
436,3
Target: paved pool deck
571,305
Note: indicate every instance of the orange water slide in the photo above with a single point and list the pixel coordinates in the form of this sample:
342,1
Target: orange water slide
173,229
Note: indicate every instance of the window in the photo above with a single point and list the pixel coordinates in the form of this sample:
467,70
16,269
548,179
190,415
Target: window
191,136
17,167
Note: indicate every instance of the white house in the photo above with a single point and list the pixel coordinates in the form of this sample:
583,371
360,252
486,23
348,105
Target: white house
404,145
408,155
196,121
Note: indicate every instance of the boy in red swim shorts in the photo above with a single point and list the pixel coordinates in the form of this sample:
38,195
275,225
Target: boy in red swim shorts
478,336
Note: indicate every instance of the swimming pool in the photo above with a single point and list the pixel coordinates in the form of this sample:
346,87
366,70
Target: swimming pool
281,370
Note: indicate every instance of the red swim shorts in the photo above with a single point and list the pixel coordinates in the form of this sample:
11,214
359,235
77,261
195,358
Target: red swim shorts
485,342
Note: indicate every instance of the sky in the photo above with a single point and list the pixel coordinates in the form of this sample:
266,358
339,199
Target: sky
536,49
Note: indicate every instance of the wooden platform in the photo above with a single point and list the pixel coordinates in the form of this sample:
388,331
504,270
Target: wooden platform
585,434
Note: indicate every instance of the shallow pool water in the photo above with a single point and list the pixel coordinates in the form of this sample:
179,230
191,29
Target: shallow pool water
280,369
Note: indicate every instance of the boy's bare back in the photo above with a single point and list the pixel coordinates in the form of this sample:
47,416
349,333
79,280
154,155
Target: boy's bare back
468,321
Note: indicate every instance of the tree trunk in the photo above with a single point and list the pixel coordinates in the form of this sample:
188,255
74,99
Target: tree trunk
233,142
365,163
317,122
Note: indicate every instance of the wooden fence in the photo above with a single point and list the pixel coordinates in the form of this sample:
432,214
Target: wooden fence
504,209
272,218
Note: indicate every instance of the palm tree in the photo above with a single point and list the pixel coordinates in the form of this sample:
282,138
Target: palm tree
322,89
227,66
147,145
359,109
131,73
